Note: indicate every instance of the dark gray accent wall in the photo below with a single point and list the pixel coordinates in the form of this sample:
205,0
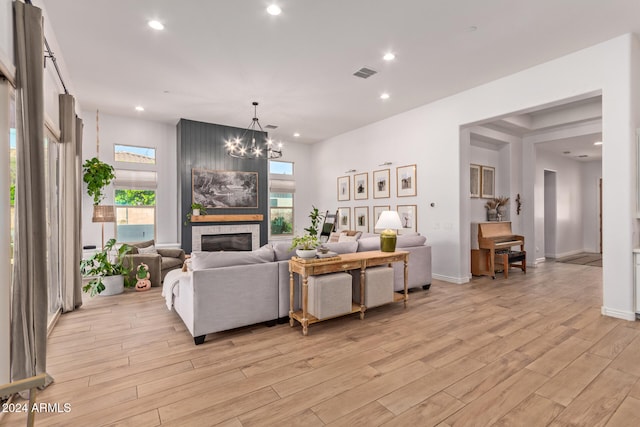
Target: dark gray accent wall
201,146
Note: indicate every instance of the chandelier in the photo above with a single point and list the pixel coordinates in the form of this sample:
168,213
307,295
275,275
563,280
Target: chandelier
250,148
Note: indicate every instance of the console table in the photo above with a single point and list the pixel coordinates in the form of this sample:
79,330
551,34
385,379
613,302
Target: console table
353,261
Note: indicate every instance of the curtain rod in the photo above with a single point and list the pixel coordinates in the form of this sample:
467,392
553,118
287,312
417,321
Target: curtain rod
50,55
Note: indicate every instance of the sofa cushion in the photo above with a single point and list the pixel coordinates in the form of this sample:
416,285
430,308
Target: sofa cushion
369,244
170,263
403,241
408,241
282,251
342,247
204,260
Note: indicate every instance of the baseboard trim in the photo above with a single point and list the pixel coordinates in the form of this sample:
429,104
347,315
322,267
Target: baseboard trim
456,280
618,314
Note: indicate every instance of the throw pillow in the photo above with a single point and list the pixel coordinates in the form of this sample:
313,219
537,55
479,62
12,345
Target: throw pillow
333,237
345,238
148,250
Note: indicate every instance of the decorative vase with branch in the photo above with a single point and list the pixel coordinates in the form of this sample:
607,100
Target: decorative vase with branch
492,211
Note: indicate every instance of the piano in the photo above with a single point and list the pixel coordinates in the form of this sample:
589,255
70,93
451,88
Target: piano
497,237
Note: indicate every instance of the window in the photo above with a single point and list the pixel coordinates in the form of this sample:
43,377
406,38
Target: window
133,154
281,202
135,215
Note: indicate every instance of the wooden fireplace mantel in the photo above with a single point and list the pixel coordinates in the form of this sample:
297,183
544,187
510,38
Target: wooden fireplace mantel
227,218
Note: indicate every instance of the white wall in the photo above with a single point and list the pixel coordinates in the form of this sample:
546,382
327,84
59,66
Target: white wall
121,130
430,137
569,204
498,157
6,35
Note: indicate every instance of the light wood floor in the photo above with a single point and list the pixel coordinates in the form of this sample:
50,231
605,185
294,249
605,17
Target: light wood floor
531,350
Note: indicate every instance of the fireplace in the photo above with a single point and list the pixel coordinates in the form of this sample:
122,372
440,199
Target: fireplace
197,233
226,242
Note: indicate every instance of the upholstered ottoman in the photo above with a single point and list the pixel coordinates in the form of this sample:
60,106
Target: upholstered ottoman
378,288
329,295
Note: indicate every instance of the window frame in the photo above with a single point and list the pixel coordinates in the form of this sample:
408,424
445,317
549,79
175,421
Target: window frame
154,206
155,151
287,177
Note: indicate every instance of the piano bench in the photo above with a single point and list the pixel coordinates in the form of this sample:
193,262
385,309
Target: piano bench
510,258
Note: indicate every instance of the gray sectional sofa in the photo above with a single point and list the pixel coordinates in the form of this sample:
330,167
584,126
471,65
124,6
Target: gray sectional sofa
226,290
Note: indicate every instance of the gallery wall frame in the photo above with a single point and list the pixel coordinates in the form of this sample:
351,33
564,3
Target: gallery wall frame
474,180
361,218
488,182
408,217
381,184
406,181
344,188
377,211
361,186
218,189
344,219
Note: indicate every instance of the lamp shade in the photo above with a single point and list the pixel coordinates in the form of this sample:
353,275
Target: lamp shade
389,220
104,213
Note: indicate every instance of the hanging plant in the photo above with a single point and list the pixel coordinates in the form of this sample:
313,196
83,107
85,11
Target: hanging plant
97,175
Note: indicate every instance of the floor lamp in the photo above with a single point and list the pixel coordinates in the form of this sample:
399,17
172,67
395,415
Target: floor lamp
103,213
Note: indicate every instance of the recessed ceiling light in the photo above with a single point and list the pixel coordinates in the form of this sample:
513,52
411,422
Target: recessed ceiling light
139,108
390,56
566,152
156,25
296,134
384,96
597,143
472,28
274,10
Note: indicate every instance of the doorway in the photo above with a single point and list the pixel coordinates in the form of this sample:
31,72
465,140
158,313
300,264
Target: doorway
550,214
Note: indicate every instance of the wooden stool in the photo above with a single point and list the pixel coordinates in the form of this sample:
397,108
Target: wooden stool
512,258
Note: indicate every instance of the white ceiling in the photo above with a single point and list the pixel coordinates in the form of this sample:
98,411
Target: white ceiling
215,57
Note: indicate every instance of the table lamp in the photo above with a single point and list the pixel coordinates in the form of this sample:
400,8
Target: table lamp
389,221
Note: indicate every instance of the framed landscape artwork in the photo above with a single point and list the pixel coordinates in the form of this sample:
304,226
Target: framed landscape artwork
361,218
224,189
344,219
377,210
408,217
488,182
360,186
474,180
406,180
344,191
381,184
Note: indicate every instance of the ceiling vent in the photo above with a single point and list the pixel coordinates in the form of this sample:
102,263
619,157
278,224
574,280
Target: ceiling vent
365,73
271,127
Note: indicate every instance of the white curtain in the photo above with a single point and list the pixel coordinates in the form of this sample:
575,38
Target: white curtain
71,141
29,286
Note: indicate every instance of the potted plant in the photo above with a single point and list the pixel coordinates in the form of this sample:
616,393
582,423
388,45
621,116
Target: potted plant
196,209
97,175
305,245
107,270
315,217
